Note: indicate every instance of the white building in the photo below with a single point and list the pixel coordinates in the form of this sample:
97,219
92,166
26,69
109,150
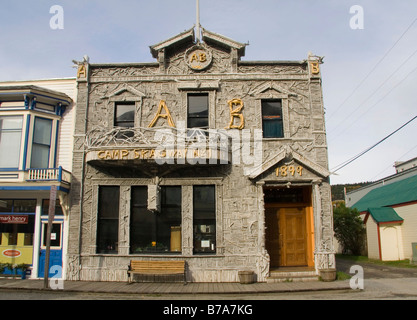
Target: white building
36,138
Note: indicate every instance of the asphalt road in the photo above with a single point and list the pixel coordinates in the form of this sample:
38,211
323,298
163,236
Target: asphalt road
374,271
380,283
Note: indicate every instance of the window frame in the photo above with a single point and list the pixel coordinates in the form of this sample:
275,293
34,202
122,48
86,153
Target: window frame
156,221
270,118
114,219
49,146
198,94
19,149
207,235
124,103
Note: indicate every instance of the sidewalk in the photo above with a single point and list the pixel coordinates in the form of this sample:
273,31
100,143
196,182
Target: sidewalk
179,288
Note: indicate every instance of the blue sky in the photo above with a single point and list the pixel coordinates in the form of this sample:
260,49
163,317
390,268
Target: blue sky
357,116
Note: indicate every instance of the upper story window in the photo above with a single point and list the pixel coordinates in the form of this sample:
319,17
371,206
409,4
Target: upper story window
272,124
198,110
41,145
124,114
124,117
10,141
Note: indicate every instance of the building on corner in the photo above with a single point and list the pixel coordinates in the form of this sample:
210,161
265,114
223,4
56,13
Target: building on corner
36,139
202,157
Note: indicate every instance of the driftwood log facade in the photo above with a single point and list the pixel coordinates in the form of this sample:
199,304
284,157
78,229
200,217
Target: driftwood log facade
199,123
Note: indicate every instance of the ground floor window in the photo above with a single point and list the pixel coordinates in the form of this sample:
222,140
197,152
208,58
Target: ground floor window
204,219
17,222
108,220
156,232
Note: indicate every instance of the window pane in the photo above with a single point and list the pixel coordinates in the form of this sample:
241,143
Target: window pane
6,205
272,119
10,123
10,139
42,131
204,221
41,143
198,105
24,206
271,108
156,232
40,156
272,129
45,208
125,115
108,220
55,235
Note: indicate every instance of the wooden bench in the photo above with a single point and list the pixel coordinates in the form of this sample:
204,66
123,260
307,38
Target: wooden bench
157,271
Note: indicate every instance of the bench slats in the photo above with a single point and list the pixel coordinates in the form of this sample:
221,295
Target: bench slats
157,268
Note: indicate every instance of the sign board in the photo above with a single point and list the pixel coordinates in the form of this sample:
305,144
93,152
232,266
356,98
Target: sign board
11,253
14,219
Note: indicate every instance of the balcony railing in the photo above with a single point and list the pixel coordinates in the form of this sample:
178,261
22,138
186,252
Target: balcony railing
55,174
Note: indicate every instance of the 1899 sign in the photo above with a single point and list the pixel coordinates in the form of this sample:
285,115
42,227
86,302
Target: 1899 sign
285,171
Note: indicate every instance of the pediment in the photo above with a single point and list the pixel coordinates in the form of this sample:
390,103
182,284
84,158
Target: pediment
126,93
297,167
271,86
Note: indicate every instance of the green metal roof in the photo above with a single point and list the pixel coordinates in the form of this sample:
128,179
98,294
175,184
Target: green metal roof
384,214
389,195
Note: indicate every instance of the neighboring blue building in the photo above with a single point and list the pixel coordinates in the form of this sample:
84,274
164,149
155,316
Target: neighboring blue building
35,153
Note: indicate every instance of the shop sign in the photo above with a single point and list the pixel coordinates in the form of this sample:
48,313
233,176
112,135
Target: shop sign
11,253
153,154
13,219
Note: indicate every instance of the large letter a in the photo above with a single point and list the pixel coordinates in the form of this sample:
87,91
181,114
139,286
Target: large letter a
167,115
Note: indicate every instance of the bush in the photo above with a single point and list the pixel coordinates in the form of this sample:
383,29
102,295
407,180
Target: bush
349,229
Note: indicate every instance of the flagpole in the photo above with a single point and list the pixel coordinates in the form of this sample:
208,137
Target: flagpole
198,21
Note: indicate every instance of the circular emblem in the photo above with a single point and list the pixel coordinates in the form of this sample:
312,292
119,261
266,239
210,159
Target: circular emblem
198,58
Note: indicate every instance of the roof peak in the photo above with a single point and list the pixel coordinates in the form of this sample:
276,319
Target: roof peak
193,36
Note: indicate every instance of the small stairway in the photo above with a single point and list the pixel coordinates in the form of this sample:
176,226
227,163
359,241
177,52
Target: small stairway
292,275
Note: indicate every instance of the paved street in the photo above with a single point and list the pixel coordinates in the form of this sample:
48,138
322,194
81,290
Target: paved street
380,282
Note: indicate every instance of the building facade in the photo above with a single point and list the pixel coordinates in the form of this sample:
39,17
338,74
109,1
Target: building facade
200,157
389,214
36,129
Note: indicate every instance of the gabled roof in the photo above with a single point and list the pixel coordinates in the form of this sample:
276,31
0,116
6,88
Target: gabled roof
209,36
395,193
188,36
384,215
184,37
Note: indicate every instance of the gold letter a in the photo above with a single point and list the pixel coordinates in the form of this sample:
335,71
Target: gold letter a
167,115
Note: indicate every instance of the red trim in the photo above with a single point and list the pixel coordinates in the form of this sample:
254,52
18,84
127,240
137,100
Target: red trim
366,218
403,204
389,222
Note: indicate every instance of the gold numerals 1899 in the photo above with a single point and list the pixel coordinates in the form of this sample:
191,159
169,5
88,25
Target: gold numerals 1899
286,171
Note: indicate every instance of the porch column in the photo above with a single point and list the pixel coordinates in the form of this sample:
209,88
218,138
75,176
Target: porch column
324,255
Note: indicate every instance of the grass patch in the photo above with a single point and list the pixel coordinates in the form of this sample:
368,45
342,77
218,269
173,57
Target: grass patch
399,264
340,275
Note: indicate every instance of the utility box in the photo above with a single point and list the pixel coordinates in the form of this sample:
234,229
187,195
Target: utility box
414,245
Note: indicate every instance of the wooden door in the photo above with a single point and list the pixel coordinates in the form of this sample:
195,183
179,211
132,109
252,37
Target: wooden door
293,236
272,242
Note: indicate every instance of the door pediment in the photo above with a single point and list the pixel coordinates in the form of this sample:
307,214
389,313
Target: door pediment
287,165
